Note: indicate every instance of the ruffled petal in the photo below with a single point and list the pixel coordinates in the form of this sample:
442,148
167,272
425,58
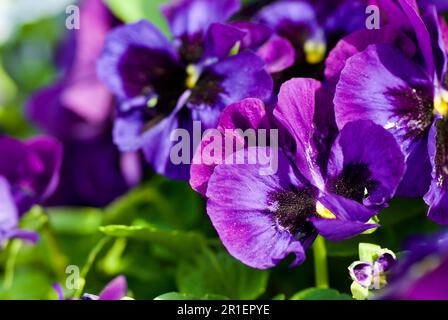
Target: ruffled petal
295,111
241,209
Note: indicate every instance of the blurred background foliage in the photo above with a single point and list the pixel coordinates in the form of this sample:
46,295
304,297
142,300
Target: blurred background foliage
158,234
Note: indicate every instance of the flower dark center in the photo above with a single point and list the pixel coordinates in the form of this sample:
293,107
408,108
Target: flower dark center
354,182
192,49
293,209
207,89
414,110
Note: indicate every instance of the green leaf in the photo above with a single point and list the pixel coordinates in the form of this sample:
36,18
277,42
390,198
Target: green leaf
220,274
134,10
180,242
186,296
320,294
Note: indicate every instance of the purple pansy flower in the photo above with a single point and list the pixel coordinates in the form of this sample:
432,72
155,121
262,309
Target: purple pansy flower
422,270
164,85
28,175
261,218
77,109
396,77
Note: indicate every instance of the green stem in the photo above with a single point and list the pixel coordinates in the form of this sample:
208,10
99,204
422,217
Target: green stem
13,250
88,265
320,263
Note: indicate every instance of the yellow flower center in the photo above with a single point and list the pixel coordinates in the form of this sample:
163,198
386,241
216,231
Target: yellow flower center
441,103
324,212
314,51
193,75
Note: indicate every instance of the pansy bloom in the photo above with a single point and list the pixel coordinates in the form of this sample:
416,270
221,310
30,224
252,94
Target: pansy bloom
164,85
261,218
396,77
77,110
29,173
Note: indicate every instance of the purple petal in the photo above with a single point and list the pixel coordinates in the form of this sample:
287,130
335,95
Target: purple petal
290,19
255,34
351,218
437,196
157,145
115,290
246,114
26,235
220,40
421,32
81,80
46,109
386,261
226,82
402,101
59,291
358,42
50,152
278,54
362,272
8,210
188,18
377,164
295,111
418,169
245,223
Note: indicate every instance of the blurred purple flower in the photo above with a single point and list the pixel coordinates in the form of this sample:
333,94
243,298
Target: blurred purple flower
262,218
77,109
422,271
396,77
313,26
28,175
164,85
116,289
